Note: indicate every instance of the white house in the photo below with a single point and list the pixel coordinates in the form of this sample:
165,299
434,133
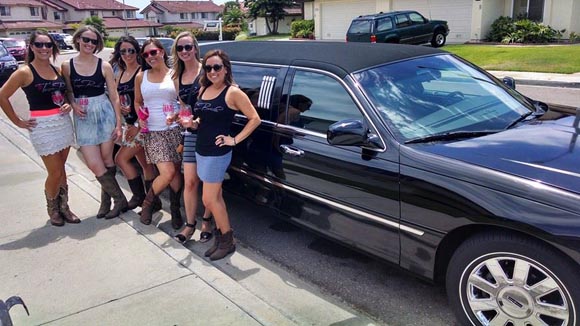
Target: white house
18,18
469,20
186,14
258,26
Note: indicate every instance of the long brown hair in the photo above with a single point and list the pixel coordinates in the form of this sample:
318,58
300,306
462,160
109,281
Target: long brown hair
158,45
179,65
117,59
32,39
77,36
229,79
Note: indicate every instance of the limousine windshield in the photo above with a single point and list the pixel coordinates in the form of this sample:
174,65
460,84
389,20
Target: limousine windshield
439,95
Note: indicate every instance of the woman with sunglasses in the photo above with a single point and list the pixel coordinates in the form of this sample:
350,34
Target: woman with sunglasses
97,116
49,125
154,89
185,76
126,58
216,106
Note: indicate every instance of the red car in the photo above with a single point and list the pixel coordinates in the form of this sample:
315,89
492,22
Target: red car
17,48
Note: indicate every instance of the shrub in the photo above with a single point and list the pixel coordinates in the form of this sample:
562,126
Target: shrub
574,37
500,28
508,30
228,34
302,28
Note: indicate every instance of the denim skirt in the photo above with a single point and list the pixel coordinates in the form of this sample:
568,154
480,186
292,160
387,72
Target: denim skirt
212,169
98,124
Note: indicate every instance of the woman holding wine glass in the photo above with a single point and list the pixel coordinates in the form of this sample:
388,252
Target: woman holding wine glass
98,121
49,125
126,58
185,76
154,89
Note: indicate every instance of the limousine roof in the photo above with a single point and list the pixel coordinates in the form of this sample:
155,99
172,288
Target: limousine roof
340,58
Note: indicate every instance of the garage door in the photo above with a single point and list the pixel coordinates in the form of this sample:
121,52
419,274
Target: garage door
336,16
456,13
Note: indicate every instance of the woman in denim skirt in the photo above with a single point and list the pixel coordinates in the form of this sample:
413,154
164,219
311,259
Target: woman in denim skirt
50,126
97,115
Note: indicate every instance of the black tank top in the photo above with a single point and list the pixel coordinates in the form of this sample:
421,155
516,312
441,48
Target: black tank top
129,88
216,119
188,92
39,92
89,86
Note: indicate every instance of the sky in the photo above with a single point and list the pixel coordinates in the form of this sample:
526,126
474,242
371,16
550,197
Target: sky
141,4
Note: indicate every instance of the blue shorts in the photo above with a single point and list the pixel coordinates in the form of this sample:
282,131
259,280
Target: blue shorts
212,169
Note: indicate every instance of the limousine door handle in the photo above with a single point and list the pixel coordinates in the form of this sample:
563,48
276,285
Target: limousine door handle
291,151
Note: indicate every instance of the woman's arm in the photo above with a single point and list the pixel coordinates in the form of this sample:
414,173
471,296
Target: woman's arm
20,78
65,71
112,90
238,100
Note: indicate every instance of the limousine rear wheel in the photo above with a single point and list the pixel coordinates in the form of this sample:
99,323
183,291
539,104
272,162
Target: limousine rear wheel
508,280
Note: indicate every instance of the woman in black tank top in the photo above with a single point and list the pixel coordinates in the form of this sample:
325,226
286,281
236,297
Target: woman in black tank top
216,105
50,126
98,121
126,57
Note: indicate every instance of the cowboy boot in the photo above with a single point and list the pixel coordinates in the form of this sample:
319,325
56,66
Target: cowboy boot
111,186
65,211
52,207
105,207
216,242
175,200
138,190
156,205
147,211
226,246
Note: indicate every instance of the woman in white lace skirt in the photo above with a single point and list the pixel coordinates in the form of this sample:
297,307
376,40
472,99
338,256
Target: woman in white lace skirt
49,125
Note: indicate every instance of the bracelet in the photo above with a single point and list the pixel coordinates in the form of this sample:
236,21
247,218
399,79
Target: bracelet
234,141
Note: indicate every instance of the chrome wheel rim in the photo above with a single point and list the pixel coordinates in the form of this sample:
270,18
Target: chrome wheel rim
513,291
439,39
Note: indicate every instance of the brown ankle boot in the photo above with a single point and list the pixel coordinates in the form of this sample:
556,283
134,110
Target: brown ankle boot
156,205
65,211
111,186
175,200
226,246
147,211
52,207
138,190
216,242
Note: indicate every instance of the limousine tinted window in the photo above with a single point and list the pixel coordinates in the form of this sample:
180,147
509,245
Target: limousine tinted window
258,83
322,101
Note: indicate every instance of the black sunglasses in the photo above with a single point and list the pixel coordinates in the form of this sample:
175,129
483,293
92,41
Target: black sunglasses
39,45
187,47
152,53
87,40
216,68
127,51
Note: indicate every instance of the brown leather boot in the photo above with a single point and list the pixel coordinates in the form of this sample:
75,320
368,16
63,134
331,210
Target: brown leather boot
65,211
105,207
147,212
52,207
111,186
156,206
138,190
216,242
226,246
175,200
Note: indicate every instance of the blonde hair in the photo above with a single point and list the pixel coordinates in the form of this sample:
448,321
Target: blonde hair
178,64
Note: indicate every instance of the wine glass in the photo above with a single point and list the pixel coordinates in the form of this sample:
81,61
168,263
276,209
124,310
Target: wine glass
125,100
143,114
185,115
169,112
83,101
58,98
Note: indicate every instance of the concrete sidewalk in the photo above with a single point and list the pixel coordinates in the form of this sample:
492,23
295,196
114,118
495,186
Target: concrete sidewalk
541,79
120,272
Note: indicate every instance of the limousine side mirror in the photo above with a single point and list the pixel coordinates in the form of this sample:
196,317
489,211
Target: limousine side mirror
510,82
351,132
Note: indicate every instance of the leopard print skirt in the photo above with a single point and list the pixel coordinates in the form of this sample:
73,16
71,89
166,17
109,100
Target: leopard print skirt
161,146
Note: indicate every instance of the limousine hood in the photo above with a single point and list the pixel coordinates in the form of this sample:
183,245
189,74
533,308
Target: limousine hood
543,150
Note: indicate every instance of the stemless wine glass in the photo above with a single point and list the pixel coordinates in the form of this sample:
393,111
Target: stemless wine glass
168,111
58,98
83,101
185,115
143,114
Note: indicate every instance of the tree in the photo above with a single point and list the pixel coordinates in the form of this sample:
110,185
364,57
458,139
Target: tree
272,10
232,14
97,23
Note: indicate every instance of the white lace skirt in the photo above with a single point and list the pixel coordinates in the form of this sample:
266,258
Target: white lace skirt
52,134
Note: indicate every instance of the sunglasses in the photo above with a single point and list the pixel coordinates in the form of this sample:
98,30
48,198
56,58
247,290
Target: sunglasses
87,40
127,51
39,45
152,53
216,68
187,47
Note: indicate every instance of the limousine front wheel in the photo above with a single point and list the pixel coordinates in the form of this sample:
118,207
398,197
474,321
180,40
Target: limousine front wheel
507,280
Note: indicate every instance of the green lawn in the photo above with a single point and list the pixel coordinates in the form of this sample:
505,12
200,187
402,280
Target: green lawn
555,59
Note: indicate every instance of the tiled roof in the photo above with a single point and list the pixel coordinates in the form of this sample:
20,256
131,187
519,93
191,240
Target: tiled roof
96,4
21,3
24,25
184,6
116,22
186,25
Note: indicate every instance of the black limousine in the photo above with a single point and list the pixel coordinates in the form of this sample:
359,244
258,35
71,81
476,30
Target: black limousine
424,160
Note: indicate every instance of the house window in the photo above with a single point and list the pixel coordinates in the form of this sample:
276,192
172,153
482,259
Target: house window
57,15
204,15
34,11
130,14
94,13
192,15
113,13
183,16
531,9
4,11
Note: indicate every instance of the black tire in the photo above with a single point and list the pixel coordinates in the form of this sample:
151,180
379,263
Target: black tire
479,296
438,39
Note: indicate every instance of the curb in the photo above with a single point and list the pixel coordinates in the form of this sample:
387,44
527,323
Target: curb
532,82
